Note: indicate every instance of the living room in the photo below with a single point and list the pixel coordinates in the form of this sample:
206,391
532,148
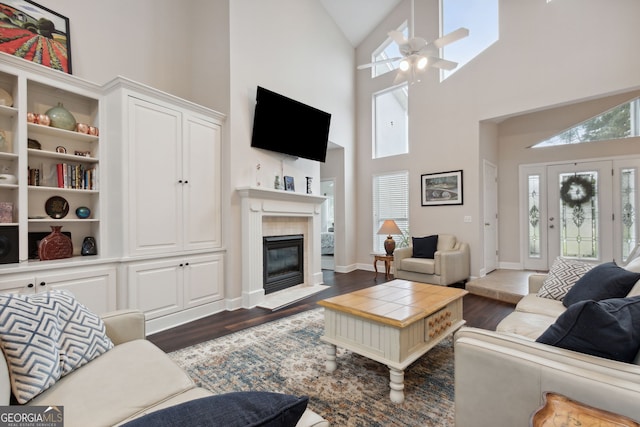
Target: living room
543,60
556,63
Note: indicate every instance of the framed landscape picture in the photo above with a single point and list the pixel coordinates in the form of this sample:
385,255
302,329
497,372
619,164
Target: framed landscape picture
35,33
444,188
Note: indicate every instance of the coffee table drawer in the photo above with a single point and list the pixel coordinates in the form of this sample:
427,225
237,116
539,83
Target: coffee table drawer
439,323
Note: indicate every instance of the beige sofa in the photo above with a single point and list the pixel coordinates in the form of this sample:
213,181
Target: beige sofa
500,376
130,380
450,264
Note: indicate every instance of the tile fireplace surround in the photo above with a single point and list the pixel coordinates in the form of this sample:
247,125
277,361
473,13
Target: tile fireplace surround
267,212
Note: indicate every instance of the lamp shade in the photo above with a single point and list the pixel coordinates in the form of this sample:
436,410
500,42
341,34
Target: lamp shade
389,227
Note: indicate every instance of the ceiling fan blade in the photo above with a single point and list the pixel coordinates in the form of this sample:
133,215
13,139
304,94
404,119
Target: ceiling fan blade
453,36
443,64
373,64
397,37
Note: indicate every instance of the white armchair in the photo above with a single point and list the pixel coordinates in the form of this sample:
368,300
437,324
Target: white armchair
450,264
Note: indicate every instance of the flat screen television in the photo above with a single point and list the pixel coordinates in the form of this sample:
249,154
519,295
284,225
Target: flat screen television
290,127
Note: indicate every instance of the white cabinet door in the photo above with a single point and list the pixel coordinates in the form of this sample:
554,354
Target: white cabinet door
204,277
156,287
155,162
202,177
93,287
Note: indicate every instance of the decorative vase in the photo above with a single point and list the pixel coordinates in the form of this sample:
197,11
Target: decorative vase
89,246
83,212
55,246
61,118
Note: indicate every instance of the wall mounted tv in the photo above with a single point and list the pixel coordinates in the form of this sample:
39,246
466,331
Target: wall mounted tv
288,126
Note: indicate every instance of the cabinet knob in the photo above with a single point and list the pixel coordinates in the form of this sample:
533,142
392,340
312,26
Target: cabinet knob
30,285
43,284
179,181
181,265
186,263
186,182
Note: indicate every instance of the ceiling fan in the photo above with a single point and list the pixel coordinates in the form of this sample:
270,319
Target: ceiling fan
418,54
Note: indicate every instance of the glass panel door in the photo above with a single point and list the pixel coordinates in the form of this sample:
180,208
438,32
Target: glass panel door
580,215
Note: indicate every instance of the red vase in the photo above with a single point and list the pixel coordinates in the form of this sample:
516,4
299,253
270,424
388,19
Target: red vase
55,246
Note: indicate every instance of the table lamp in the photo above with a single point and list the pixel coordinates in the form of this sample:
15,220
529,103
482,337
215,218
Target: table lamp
389,227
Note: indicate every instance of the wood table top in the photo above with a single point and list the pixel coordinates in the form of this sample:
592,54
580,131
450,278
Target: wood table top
396,303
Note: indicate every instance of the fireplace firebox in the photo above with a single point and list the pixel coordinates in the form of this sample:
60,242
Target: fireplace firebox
283,262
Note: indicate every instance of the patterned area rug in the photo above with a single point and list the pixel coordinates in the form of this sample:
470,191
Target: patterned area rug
287,356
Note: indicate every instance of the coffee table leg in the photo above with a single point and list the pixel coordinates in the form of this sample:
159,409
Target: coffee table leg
396,384
330,364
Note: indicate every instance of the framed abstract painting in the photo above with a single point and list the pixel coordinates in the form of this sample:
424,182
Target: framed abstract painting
35,33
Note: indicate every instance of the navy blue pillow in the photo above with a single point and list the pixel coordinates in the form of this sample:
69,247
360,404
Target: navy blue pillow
608,328
603,281
247,408
425,247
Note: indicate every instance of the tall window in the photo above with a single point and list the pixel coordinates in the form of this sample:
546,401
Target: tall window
391,122
390,201
480,17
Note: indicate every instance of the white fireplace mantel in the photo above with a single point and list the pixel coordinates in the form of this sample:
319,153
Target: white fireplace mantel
258,203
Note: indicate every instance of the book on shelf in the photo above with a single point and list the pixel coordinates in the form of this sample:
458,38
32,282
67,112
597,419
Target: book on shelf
76,177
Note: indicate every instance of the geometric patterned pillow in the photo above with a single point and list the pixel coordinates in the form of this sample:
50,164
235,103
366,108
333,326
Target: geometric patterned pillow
46,336
564,273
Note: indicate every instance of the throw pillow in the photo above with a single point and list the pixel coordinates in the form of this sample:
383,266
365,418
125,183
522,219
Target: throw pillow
603,281
564,273
633,265
46,336
425,247
249,408
608,328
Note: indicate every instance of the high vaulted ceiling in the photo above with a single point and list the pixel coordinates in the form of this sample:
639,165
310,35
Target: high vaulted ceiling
357,18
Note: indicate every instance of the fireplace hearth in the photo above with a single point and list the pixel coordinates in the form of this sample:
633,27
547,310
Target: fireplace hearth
283,262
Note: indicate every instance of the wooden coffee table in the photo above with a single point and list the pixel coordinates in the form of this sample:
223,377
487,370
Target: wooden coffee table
393,323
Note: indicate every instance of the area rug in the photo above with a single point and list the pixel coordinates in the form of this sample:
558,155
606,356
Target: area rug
287,356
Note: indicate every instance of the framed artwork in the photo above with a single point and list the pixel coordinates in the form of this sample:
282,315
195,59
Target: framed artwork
35,33
288,184
444,188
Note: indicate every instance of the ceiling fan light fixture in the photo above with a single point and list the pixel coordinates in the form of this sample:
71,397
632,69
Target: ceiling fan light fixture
422,63
404,65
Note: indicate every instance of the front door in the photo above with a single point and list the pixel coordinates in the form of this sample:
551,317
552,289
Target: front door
584,210
580,208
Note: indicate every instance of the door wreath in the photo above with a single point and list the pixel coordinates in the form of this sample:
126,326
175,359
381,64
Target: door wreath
576,190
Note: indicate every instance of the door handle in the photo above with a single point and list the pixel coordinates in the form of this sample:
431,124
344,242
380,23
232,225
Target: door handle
551,226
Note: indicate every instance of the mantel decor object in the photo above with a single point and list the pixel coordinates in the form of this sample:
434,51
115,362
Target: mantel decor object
309,184
55,246
61,118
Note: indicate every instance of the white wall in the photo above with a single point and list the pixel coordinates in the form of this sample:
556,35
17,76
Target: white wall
294,48
548,54
215,53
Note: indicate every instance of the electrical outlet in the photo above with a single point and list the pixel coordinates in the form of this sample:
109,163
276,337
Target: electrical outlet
467,218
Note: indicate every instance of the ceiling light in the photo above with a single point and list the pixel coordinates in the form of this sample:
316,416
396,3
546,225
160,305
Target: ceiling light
404,65
422,63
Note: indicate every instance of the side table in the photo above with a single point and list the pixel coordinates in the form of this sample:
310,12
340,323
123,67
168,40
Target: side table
388,259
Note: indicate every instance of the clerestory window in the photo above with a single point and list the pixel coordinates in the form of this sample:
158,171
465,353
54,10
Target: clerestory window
622,121
480,17
387,50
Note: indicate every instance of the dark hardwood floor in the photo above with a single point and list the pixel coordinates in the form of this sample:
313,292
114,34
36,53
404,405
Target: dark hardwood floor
479,312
